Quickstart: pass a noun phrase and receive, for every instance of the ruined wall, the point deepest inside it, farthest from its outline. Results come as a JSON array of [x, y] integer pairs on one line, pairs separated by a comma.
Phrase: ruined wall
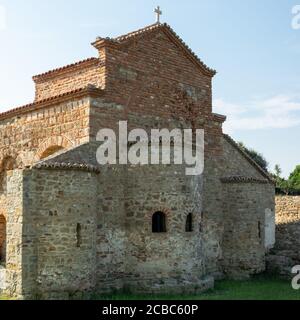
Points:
[[66, 79], [60, 219], [285, 254]]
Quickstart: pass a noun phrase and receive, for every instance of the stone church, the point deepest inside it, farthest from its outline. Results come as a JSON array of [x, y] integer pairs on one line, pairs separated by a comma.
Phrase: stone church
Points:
[[70, 227]]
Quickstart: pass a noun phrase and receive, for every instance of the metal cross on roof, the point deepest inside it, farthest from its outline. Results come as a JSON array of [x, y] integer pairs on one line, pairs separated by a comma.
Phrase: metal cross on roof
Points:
[[158, 14]]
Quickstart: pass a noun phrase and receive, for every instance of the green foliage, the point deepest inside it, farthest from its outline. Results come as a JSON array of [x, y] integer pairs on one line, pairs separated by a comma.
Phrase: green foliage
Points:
[[290, 185], [277, 170], [256, 156], [294, 179]]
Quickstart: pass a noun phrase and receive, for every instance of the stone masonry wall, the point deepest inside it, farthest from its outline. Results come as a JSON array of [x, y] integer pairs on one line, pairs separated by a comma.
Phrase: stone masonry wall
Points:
[[26, 136], [129, 255], [111, 230], [14, 229], [61, 221], [244, 222], [235, 164], [249, 209], [143, 80], [167, 262], [68, 79], [286, 253], [85, 232]]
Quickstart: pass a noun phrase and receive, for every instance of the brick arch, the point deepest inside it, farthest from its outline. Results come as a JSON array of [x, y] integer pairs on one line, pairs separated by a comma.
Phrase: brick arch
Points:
[[53, 145], [164, 210], [150, 214]]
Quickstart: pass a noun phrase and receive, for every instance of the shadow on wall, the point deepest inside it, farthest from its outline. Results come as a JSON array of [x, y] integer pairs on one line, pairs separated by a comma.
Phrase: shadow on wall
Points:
[[286, 254], [50, 151], [2, 239]]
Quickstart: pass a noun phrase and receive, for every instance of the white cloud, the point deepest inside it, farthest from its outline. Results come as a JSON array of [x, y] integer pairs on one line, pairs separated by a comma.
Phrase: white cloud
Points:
[[276, 112], [3, 24]]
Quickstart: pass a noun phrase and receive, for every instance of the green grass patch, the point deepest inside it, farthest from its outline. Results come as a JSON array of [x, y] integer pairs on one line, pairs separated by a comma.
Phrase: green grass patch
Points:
[[256, 288]]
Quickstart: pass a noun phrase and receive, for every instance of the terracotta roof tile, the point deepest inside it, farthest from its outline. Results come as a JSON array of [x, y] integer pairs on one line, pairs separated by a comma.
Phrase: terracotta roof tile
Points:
[[65, 68], [243, 179], [67, 166], [90, 89]]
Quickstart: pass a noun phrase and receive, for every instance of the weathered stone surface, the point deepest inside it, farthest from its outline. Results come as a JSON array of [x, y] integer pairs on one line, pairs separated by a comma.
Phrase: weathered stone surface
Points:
[[286, 254], [74, 227]]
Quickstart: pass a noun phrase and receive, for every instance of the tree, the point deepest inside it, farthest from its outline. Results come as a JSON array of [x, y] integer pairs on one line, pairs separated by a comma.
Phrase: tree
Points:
[[281, 183], [290, 185], [294, 179], [285, 186], [256, 156], [277, 170]]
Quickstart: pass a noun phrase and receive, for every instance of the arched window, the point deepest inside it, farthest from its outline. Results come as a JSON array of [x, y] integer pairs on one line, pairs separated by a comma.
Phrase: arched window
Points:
[[189, 223], [159, 222], [50, 151], [2, 239]]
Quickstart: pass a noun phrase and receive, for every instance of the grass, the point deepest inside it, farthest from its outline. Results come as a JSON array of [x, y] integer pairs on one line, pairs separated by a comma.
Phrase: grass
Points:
[[257, 288], [260, 287]]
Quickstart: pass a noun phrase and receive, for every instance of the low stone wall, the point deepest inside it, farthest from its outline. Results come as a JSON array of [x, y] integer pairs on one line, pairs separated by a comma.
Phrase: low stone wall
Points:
[[286, 252]]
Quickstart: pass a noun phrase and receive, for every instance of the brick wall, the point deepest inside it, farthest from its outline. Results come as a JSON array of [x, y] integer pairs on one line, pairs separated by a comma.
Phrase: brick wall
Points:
[[143, 81], [68, 79], [24, 137]]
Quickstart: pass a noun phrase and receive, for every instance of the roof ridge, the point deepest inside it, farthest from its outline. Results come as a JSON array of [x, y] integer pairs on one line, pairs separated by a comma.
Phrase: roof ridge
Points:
[[254, 163], [72, 65], [212, 71], [155, 26], [137, 32]]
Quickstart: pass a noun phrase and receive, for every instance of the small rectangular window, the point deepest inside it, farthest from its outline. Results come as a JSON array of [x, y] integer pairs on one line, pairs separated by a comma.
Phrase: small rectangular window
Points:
[[189, 223], [78, 235]]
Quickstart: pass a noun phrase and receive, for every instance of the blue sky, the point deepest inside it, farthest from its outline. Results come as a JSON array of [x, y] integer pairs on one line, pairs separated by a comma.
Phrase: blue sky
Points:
[[251, 43]]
